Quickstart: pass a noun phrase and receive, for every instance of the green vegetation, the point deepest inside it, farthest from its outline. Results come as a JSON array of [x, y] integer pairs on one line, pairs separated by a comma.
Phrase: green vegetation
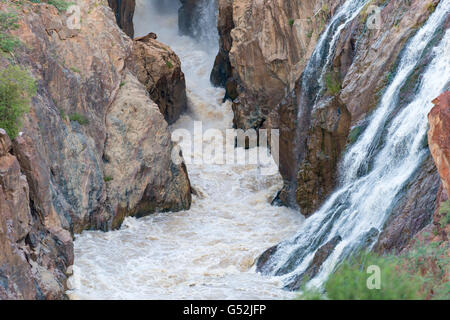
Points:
[[78, 118], [354, 134], [291, 22], [61, 5], [108, 178], [169, 64], [431, 7], [75, 69], [350, 280], [420, 274], [333, 82], [8, 22], [444, 211], [17, 87]]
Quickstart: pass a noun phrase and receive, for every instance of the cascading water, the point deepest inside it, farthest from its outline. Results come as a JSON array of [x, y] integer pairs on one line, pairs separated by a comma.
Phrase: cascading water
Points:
[[358, 209], [315, 70], [208, 251]]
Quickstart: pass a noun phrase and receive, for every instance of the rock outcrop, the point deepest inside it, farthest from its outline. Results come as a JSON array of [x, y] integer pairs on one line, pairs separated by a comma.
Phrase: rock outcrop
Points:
[[124, 11], [35, 250], [159, 69], [439, 137], [94, 147]]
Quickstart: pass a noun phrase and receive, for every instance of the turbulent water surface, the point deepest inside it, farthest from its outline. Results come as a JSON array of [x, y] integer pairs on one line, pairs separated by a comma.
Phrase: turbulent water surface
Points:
[[207, 252]]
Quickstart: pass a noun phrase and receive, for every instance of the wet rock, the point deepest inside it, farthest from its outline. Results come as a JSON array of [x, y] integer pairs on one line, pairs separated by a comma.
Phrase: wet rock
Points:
[[326, 140], [124, 11], [412, 212], [313, 269], [142, 176], [222, 71], [264, 258], [159, 69]]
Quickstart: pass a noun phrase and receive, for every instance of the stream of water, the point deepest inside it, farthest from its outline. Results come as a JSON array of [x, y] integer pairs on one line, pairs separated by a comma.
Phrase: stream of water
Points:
[[209, 251]]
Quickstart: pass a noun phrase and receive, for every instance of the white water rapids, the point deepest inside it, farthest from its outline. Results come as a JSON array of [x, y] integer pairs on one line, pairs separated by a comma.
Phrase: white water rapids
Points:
[[207, 252]]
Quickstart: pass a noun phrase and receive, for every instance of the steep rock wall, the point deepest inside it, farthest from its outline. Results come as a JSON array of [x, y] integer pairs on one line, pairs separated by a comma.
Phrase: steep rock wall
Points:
[[94, 147]]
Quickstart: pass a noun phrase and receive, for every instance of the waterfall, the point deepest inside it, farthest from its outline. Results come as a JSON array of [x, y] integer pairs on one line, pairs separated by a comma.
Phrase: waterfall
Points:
[[358, 209], [312, 78]]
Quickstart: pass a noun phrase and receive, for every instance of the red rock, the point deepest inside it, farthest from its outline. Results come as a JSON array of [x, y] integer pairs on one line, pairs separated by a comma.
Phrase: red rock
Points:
[[439, 136]]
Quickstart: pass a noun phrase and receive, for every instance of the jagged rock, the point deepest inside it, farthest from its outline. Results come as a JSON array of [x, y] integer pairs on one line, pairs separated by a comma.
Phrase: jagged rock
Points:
[[54, 176], [34, 249], [159, 69], [222, 71], [439, 137], [313, 269], [143, 178], [326, 140], [124, 11]]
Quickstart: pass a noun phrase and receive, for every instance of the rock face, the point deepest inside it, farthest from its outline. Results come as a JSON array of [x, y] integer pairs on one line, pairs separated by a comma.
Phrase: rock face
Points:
[[144, 179], [124, 11], [94, 147], [439, 137], [264, 48], [313, 269], [159, 69], [34, 248]]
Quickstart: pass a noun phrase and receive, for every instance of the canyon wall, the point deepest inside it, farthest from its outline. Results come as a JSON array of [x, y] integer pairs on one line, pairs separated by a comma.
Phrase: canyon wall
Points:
[[264, 48], [94, 146], [124, 11]]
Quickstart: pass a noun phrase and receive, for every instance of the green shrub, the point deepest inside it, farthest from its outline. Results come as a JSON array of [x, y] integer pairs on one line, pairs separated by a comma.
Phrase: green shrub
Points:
[[108, 178], [350, 280], [17, 87], [333, 83], [444, 211], [8, 22], [61, 5], [354, 135], [77, 117]]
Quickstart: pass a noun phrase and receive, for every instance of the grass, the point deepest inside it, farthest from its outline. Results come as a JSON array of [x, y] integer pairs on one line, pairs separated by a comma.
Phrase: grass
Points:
[[61, 5], [77, 117], [444, 211], [17, 87], [8, 22], [333, 83], [422, 273]]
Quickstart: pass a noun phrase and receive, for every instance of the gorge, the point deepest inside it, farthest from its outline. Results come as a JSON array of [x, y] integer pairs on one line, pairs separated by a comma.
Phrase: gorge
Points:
[[93, 205]]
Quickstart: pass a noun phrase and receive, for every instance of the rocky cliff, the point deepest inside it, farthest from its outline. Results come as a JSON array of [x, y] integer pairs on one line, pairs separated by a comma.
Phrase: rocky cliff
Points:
[[93, 148], [264, 49], [124, 11]]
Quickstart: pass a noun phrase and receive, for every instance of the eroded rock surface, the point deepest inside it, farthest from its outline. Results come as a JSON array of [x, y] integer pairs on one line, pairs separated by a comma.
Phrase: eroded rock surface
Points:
[[159, 69], [94, 147]]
